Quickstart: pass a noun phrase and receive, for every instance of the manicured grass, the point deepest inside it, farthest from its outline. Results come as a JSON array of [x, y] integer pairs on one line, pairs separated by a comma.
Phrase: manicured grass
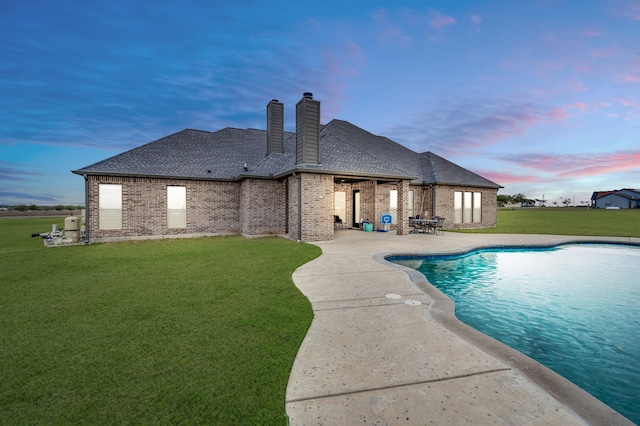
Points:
[[567, 221], [195, 331]]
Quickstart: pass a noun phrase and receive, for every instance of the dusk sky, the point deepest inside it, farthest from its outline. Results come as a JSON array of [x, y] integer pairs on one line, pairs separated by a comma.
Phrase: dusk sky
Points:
[[542, 97]]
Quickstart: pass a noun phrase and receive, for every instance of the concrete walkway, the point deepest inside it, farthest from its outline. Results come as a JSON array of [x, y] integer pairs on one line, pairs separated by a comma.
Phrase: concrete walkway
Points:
[[385, 348]]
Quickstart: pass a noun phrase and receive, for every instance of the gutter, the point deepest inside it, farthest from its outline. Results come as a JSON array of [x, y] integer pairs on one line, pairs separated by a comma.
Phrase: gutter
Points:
[[150, 176], [86, 210], [337, 173], [299, 236]]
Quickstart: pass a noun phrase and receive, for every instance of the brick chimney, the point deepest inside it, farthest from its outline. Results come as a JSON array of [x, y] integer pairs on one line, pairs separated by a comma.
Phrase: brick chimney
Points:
[[307, 130], [275, 127]]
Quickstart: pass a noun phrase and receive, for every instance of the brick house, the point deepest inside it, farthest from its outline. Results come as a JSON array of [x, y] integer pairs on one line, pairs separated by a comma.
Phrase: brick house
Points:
[[256, 182]]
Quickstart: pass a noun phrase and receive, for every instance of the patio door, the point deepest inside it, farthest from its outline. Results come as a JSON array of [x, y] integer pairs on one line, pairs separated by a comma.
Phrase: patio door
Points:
[[356, 209]]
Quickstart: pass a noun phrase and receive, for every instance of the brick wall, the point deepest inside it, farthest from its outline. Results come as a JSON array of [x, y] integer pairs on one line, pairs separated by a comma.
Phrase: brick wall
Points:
[[293, 217], [383, 204], [317, 207], [402, 226], [444, 206], [263, 208], [259, 207], [368, 200], [422, 201], [212, 208]]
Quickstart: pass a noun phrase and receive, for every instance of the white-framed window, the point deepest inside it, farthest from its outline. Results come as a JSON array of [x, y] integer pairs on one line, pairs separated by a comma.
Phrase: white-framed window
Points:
[[356, 207], [340, 205], [477, 207], [176, 207], [457, 207], [467, 207], [109, 206], [393, 205]]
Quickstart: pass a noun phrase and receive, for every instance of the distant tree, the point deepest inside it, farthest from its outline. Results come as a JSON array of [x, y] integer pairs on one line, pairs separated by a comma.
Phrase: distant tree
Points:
[[565, 201], [519, 198], [503, 200]]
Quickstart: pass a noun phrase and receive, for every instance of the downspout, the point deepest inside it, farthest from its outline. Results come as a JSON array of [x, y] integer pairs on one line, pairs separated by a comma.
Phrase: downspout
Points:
[[86, 209], [433, 201], [299, 205]]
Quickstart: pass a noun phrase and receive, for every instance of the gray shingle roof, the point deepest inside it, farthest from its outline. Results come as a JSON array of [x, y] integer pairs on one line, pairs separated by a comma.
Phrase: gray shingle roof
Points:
[[444, 172], [345, 149]]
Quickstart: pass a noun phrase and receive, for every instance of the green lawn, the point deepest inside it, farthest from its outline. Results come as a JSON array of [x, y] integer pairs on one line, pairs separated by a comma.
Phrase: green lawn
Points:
[[192, 331], [567, 221]]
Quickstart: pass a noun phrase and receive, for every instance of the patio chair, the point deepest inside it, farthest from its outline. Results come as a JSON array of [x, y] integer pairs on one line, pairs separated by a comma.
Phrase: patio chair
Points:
[[337, 222], [439, 225], [414, 225]]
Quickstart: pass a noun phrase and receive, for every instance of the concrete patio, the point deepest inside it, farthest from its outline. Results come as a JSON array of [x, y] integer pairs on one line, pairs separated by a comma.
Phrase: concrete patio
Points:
[[385, 348]]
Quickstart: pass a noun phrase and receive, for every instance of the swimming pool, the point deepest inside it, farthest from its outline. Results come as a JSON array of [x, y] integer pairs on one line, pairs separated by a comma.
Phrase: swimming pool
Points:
[[574, 308]]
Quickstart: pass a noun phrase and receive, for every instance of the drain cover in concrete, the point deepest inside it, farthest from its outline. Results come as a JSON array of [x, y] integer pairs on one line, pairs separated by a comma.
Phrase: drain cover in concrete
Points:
[[392, 296], [412, 302]]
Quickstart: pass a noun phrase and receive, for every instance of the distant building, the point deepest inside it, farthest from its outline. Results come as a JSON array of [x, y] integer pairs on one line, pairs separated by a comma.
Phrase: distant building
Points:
[[621, 198]]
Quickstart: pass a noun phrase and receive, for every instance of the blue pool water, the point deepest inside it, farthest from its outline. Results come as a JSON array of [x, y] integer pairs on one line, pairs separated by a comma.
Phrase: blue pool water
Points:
[[573, 308]]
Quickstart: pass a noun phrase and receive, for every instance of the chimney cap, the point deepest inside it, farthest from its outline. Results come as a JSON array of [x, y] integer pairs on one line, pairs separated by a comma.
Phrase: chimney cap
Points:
[[307, 95], [274, 100]]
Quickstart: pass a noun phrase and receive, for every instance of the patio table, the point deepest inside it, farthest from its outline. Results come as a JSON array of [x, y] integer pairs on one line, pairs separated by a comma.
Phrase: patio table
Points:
[[422, 226]]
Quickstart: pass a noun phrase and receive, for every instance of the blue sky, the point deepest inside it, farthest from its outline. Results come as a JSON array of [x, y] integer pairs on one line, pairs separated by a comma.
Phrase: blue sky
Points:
[[543, 97]]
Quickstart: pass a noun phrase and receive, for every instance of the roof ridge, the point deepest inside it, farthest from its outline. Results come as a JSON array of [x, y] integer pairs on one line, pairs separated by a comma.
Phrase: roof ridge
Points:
[[432, 167]]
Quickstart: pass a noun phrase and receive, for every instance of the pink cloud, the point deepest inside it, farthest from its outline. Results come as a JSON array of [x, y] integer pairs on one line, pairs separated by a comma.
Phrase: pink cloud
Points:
[[625, 101], [475, 19], [579, 165], [582, 68], [504, 178], [390, 32], [632, 108], [464, 127], [395, 36], [605, 164], [355, 51], [578, 86], [632, 11], [602, 53], [594, 33], [580, 106], [631, 78], [439, 21], [558, 114]]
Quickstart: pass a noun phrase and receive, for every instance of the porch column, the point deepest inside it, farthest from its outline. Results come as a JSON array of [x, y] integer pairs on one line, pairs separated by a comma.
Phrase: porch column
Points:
[[402, 227]]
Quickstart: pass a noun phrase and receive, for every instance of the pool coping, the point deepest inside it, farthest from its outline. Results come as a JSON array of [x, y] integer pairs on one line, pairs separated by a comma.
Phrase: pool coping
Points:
[[442, 309]]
